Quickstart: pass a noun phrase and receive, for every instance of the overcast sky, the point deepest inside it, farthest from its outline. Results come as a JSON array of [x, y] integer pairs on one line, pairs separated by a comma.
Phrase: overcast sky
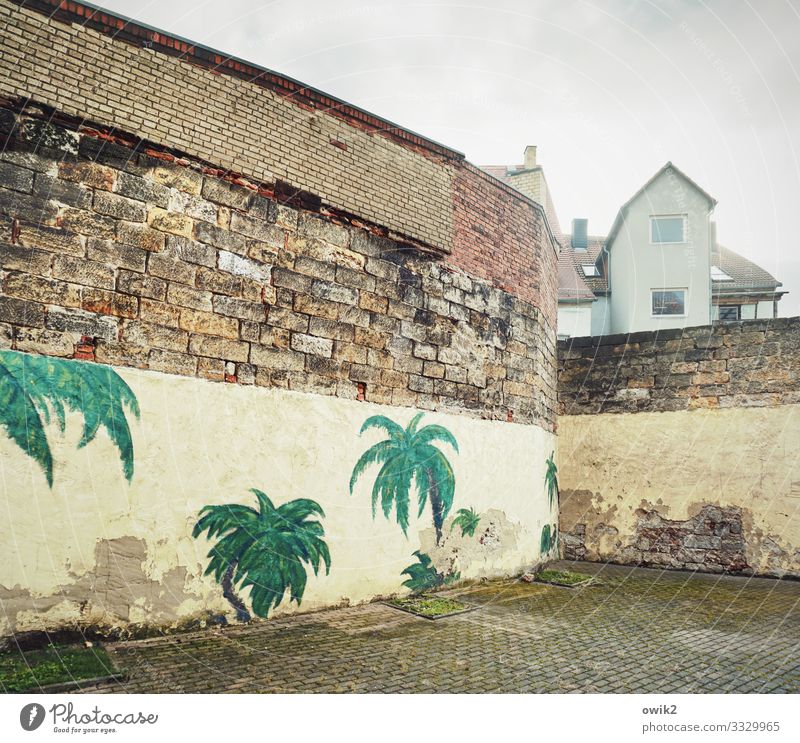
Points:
[[608, 91]]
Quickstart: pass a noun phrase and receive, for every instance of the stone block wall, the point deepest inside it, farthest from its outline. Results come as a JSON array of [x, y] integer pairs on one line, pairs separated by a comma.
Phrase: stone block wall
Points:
[[744, 364], [678, 449], [274, 131], [133, 256]]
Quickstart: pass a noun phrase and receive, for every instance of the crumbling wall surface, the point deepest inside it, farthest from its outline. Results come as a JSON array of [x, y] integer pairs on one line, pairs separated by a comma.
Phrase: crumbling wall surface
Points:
[[139, 258], [699, 468], [199, 301], [263, 127], [97, 550]]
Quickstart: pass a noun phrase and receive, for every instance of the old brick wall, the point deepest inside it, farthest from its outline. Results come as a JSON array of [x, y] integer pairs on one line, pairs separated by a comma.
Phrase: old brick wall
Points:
[[678, 448], [745, 364], [268, 128], [133, 257]]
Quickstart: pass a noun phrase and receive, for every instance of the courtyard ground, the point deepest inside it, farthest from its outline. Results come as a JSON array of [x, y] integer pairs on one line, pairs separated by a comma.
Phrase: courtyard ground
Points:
[[630, 630]]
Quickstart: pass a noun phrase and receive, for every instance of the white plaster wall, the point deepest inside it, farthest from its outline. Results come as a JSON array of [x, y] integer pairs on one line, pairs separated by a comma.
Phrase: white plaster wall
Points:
[[614, 467], [575, 319], [765, 310], [636, 266], [601, 316], [200, 443]]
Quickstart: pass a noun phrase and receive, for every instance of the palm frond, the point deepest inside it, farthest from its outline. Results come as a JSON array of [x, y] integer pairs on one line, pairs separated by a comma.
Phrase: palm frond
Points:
[[20, 418], [386, 424], [545, 542], [467, 519], [551, 479], [54, 385], [442, 475], [422, 575], [374, 455], [411, 428], [435, 433]]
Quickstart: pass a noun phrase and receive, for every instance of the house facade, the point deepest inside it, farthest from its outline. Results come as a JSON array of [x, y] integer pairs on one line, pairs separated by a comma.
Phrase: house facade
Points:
[[659, 267]]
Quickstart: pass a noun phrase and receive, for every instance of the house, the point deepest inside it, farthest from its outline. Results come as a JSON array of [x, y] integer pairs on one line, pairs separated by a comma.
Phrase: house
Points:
[[660, 266]]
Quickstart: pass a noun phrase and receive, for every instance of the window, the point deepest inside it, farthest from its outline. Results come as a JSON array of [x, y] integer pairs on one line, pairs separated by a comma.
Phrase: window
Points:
[[668, 302], [590, 270], [717, 274], [670, 229], [729, 312]]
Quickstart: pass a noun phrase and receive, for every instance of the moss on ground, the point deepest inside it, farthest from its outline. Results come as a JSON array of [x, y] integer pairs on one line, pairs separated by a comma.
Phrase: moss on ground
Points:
[[31, 669], [429, 607], [562, 577]]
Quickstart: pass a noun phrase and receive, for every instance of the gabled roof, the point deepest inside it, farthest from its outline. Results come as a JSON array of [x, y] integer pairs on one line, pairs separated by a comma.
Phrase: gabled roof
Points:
[[587, 257], [572, 286], [624, 208], [745, 275]]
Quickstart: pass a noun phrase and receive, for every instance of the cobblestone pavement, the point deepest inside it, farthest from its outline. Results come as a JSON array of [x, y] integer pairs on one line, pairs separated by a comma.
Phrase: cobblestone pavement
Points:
[[631, 630]]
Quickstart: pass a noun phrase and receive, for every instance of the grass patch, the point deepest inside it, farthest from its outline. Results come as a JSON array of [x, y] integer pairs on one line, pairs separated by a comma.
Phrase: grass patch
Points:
[[562, 577], [54, 664], [429, 607]]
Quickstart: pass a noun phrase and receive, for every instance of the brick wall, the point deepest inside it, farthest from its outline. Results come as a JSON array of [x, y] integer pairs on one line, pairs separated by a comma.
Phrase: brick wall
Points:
[[134, 256], [268, 128], [744, 364]]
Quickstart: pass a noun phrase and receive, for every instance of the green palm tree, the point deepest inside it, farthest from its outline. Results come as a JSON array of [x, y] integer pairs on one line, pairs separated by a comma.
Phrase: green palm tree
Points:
[[409, 455], [549, 538], [468, 520], [422, 575], [264, 549], [35, 389], [551, 479]]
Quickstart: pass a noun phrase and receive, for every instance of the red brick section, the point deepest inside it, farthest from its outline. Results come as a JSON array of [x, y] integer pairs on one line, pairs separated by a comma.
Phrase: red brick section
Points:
[[503, 237]]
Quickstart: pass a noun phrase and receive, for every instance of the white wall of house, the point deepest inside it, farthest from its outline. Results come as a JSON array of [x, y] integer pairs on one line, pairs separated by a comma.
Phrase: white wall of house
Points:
[[601, 316], [637, 266], [766, 309], [574, 319]]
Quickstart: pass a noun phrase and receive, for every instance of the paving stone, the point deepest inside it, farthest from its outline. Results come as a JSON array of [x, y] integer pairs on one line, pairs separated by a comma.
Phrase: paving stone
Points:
[[631, 630]]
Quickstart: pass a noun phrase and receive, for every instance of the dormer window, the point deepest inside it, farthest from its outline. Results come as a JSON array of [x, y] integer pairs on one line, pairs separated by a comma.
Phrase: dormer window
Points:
[[590, 270], [668, 229], [717, 274]]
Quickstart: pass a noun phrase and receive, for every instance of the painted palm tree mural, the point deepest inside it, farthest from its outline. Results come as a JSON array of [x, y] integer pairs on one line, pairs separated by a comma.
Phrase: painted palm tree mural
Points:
[[408, 456], [422, 575], [549, 538], [467, 519], [551, 479], [266, 550], [36, 389]]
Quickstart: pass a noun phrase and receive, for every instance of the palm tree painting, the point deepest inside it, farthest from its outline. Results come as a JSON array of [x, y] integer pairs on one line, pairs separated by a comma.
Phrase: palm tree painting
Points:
[[468, 520], [266, 550], [423, 575], [551, 479], [408, 456], [549, 538], [36, 389]]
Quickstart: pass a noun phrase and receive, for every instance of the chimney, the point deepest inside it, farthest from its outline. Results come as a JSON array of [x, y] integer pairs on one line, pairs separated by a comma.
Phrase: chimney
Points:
[[580, 234], [530, 156]]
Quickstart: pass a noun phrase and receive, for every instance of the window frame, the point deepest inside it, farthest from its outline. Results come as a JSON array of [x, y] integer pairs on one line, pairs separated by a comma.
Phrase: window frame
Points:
[[721, 307], [593, 268], [654, 316], [683, 217]]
